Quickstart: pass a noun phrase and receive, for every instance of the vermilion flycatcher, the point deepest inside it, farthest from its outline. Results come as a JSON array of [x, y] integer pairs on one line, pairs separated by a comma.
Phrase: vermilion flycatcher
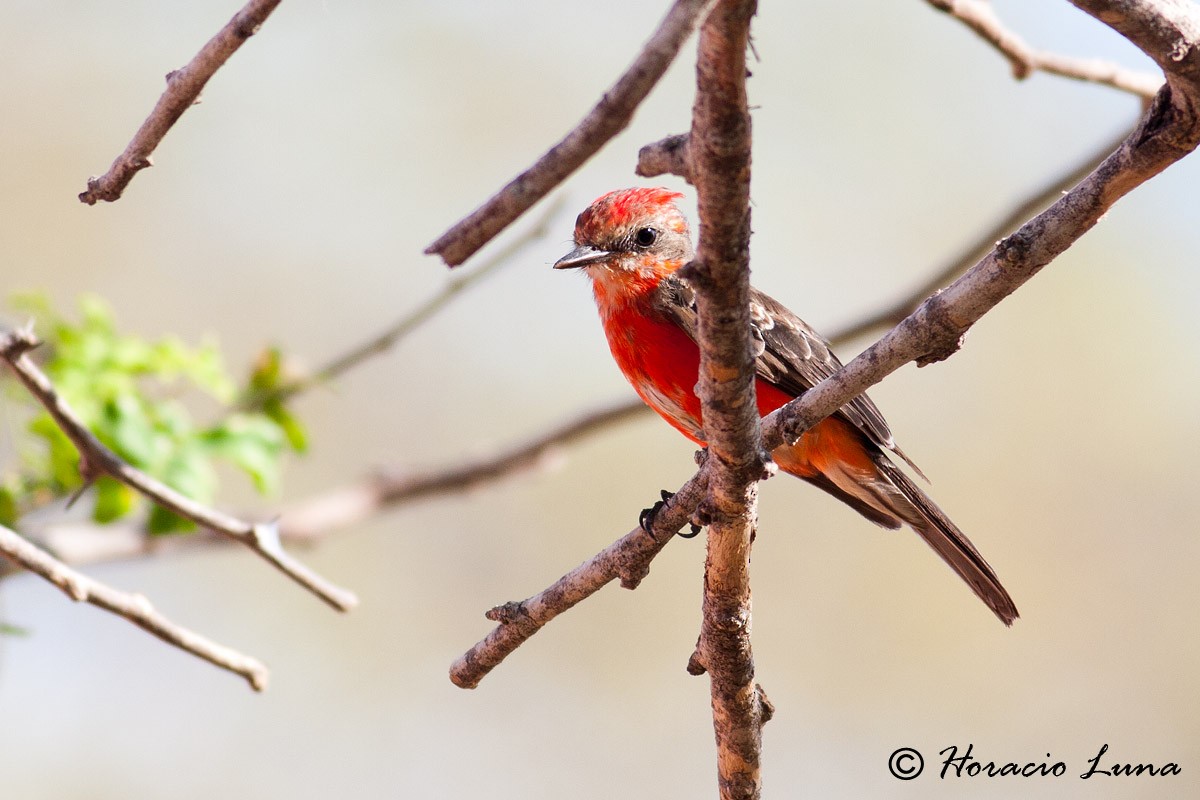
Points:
[[631, 242]]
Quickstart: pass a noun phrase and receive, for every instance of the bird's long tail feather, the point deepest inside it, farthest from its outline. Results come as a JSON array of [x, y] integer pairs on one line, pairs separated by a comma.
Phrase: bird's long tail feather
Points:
[[950, 543]]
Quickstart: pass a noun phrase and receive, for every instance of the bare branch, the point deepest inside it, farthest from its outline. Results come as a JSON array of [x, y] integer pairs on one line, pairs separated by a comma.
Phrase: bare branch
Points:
[[628, 558], [411, 321], [669, 156], [96, 458], [1169, 130], [311, 519], [133, 607], [979, 16], [1167, 31], [182, 92], [719, 160], [608, 118], [979, 247]]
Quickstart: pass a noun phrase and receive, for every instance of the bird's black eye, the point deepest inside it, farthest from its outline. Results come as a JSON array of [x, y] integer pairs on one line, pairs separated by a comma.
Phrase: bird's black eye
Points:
[[645, 237]]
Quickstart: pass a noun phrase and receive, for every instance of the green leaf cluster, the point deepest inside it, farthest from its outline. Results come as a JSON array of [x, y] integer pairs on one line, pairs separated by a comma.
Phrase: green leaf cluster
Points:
[[138, 397]]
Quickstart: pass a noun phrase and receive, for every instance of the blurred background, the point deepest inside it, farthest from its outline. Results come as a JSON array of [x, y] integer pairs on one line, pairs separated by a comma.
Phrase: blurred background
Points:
[[292, 206]]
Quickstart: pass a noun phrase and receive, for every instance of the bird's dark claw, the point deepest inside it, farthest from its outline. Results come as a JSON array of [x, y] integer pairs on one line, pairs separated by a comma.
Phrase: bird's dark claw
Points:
[[646, 518]]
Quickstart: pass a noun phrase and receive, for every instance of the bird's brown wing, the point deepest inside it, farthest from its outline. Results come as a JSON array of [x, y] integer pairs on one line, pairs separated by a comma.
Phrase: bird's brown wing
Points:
[[789, 354]]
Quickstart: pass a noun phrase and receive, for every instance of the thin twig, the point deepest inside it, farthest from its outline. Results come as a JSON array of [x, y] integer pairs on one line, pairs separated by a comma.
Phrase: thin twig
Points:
[[628, 558], [608, 118], [402, 327], [312, 518], [979, 16], [182, 92], [980, 246], [133, 607], [96, 459]]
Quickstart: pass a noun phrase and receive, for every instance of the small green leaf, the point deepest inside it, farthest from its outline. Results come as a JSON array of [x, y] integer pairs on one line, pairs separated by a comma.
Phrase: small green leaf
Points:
[[8, 629], [252, 443], [9, 506], [267, 372], [292, 428], [62, 461], [161, 521], [190, 473], [127, 428], [114, 500]]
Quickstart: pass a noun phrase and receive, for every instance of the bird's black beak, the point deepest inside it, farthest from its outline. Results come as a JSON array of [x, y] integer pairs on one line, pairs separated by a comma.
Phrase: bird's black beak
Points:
[[582, 256]]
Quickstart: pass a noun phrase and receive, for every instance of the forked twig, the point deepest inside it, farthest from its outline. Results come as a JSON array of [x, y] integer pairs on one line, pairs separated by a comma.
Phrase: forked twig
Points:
[[133, 607]]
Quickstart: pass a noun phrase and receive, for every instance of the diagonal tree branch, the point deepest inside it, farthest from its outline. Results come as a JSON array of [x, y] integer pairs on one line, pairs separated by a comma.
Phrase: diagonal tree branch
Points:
[[313, 518], [96, 458], [609, 117], [183, 91], [1169, 130], [979, 16], [628, 558], [402, 327], [133, 607], [892, 313]]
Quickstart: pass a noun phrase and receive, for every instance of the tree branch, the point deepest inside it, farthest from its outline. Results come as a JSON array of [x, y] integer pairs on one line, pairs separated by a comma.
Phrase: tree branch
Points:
[[668, 156], [628, 558], [1167, 31], [133, 607], [719, 161], [1169, 130], [95, 458], [402, 327], [182, 92], [311, 519], [892, 313], [608, 118], [308, 521], [979, 16]]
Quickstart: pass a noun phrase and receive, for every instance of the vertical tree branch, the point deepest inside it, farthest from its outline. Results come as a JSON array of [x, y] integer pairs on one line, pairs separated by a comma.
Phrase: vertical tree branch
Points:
[[720, 156]]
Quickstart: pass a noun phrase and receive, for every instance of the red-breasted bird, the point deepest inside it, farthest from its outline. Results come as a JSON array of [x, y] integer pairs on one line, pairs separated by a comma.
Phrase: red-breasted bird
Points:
[[631, 243]]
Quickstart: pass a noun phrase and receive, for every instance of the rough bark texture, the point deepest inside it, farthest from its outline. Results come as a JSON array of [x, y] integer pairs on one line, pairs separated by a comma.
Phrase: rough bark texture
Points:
[[719, 152]]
